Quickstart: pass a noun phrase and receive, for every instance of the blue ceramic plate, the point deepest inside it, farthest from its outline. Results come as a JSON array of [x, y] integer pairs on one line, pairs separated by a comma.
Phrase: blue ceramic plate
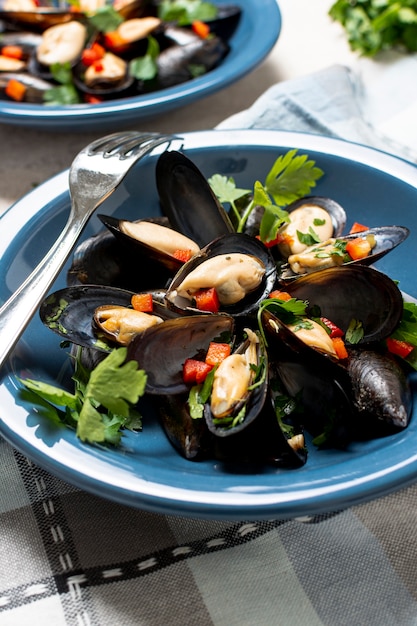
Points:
[[146, 472], [258, 31]]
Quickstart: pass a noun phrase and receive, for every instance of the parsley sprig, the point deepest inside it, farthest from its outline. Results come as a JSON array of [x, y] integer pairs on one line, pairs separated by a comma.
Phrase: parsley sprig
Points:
[[292, 176], [103, 400], [376, 25]]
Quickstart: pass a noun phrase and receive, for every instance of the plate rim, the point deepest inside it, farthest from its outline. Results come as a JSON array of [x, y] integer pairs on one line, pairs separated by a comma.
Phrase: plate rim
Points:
[[229, 503]]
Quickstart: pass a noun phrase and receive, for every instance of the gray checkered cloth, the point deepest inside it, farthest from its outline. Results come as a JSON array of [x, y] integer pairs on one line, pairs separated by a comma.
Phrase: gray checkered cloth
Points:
[[70, 558]]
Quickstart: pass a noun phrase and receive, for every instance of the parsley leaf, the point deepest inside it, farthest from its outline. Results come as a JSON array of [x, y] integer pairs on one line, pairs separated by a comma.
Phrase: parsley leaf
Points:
[[375, 25], [186, 11], [105, 19], [146, 68], [291, 177], [102, 402]]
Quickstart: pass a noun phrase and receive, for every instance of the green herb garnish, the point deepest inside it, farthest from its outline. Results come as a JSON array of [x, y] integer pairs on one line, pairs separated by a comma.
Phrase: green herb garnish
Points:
[[291, 177], [186, 11], [102, 402], [376, 25]]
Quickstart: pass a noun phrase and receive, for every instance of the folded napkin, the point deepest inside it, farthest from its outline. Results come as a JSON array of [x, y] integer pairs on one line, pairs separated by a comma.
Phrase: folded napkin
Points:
[[70, 558]]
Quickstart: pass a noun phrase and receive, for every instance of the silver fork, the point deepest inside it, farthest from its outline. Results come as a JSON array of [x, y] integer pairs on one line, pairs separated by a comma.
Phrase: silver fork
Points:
[[94, 174]]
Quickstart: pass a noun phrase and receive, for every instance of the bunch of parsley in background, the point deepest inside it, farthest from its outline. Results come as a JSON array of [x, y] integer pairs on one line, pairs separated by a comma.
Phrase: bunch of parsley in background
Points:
[[376, 25]]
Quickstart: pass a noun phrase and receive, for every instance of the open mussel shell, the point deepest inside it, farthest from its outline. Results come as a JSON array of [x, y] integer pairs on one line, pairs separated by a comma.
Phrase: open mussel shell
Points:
[[163, 349], [315, 380], [41, 19], [187, 199], [252, 400], [286, 442], [386, 239], [146, 251], [104, 86], [69, 313], [226, 22], [228, 244], [104, 259], [189, 436], [35, 87], [353, 292]]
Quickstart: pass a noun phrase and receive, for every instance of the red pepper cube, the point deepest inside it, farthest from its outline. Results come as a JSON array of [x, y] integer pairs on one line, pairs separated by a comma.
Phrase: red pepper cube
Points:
[[217, 352], [335, 331], [142, 302], [399, 347], [194, 371], [207, 300]]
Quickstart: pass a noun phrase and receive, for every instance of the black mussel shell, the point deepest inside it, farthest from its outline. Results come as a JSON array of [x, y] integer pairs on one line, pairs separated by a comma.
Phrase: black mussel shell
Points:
[[39, 20], [386, 239], [189, 436], [102, 87], [35, 87], [163, 349], [254, 402], [187, 199], [316, 381], [380, 391], [104, 260], [175, 63], [147, 252], [287, 447], [69, 313], [232, 243], [353, 292], [226, 22]]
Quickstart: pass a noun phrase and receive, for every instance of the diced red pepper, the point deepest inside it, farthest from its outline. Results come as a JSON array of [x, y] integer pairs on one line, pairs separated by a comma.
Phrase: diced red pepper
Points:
[[92, 54], [280, 238], [194, 371], [358, 228], [335, 331], [217, 352], [399, 347], [207, 300], [280, 295], [114, 41], [358, 248], [15, 90], [98, 66], [90, 99], [182, 255], [201, 29], [12, 52], [142, 302], [339, 346]]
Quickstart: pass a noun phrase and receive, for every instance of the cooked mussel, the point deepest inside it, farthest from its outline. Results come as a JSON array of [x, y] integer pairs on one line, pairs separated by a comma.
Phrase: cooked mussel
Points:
[[237, 266], [312, 214], [188, 201], [162, 350], [235, 400], [334, 251], [34, 88], [95, 316], [153, 240]]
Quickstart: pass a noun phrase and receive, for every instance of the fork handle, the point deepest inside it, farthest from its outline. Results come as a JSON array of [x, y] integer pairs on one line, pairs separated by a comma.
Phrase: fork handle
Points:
[[18, 310]]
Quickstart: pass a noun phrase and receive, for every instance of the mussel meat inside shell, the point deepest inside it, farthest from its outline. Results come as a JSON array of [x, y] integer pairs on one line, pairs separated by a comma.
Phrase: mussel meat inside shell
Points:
[[322, 216], [153, 240], [70, 313], [335, 251], [238, 267]]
